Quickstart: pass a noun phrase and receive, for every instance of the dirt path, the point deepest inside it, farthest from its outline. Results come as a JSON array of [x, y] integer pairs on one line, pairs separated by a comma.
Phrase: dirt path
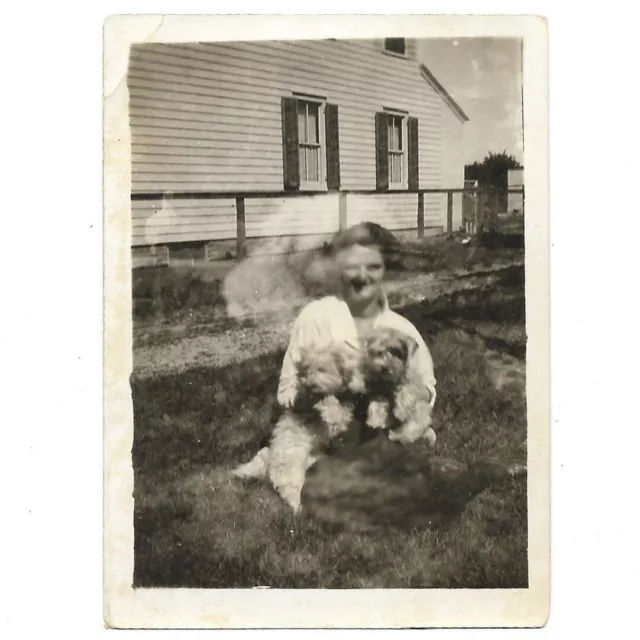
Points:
[[163, 349]]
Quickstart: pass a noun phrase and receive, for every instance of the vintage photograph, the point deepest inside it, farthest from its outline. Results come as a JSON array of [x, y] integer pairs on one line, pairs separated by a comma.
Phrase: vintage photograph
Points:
[[329, 317]]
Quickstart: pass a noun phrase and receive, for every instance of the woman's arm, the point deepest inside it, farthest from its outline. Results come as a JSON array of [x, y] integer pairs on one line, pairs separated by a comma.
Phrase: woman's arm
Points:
[[288, 384], [304, 330], [423, 363]]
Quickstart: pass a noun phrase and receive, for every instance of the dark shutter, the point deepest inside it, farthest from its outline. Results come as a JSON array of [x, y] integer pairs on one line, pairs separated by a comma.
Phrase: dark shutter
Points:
[[291, 167], [332, 146], [382, 152], [413, 154]]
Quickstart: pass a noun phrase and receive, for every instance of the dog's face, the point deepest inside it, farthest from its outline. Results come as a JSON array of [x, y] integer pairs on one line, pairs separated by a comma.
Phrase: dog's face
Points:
[[386, 355], [328, 370]]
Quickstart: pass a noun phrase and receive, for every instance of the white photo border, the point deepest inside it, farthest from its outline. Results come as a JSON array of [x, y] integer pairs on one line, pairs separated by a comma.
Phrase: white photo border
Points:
[[126, 607]]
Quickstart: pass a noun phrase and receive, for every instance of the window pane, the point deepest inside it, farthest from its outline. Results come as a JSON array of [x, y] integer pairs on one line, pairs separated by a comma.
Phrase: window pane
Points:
[[312, 130], [395, 133], [396, 167], [302, 159], [314, 164], [302, 121], [309, 148]]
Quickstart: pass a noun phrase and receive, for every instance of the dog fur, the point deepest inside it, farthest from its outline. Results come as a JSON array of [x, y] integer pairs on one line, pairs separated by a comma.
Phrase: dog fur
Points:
[[399, 400], [327, 379]]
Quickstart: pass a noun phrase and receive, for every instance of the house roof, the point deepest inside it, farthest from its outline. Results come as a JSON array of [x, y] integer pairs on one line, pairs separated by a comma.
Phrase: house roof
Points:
[[432, 80]]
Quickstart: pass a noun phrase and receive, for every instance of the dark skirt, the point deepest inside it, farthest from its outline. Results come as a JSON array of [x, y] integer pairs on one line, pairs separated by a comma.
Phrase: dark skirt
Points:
[[359, 432]]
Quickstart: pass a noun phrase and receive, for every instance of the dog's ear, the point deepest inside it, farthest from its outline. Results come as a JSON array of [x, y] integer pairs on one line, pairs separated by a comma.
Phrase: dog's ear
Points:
[[409, 345], [343, 358], [303, 360]]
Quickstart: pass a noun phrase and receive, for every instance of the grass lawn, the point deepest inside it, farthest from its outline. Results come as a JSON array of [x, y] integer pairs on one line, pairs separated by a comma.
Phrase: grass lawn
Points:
[[195, 527]]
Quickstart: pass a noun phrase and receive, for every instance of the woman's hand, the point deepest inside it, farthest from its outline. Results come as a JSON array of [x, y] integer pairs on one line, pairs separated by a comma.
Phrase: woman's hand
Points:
[[335, 415]]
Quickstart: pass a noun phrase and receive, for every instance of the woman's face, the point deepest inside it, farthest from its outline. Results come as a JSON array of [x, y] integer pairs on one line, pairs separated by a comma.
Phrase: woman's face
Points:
[[361, 273]]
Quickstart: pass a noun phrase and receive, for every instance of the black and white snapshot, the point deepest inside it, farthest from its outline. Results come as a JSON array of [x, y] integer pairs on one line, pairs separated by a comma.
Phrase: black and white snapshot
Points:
[[329, 331]]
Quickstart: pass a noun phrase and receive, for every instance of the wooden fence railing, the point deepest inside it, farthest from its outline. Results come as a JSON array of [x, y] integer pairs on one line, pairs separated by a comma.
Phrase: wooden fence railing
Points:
[[481, 207]]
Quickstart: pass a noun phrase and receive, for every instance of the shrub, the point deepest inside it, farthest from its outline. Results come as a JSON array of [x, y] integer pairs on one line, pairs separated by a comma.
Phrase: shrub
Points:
[[164, 292]]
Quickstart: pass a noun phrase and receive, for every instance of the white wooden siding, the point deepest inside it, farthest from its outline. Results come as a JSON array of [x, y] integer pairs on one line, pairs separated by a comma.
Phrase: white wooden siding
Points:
[[291, 216], [164, 221], [207, 117], [453, 159], [395, 210]]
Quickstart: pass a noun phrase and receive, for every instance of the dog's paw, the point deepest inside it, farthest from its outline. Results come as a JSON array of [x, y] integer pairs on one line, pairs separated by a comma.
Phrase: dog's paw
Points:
[[405, 435], [255, 468], [336, 430], [332, 412], [242, 473], [399, 436], [377, 415], [430, 437], [296, 508], [357, 384], [291, 496]]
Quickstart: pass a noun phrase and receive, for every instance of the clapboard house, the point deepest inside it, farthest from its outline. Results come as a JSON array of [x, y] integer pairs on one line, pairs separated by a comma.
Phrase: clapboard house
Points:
[[352, 129]]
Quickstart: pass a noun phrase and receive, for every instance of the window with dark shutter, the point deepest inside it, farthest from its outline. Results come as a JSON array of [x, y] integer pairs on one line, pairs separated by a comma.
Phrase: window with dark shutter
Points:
[[333, 146], [290, 144], [382, 152], [413, 155]]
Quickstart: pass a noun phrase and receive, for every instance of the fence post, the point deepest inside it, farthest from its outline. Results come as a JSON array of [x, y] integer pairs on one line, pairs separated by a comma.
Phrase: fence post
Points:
[[241, 232], [342, 210], [420, 214], [449, 213]]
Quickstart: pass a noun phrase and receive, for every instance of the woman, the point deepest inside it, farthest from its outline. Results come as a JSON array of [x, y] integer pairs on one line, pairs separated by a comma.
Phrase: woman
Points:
[[359, 306], [358, 256]]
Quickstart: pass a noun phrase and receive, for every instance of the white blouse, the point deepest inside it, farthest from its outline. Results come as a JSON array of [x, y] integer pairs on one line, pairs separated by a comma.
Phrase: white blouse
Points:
[[329, 320]]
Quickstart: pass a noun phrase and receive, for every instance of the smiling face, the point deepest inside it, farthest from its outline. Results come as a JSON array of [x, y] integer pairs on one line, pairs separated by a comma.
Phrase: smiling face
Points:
[[361, 274]]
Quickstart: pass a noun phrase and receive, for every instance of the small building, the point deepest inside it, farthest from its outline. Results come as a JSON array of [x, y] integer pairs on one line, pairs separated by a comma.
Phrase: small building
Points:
[[274, 118], [515, 180]]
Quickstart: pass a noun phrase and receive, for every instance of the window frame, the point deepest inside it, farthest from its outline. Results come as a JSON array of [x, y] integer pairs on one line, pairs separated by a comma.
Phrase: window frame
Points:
[[403, 185], [321, 185]]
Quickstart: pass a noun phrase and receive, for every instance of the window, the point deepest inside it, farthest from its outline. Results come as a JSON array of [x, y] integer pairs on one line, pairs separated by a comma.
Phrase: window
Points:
[[310, 143], [395, 45], [396, 151], [310, 150]]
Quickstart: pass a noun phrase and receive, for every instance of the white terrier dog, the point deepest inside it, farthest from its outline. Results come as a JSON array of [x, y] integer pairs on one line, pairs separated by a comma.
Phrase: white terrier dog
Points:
[[327, 379], [399, 400]]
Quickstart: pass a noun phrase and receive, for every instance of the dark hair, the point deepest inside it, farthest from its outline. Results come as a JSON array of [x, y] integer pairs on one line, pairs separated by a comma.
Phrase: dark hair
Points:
[[365, 234]]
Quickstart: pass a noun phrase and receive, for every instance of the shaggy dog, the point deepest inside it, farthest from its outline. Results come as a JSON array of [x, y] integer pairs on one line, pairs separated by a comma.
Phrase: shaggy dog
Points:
[[399, 400], [328, 378]]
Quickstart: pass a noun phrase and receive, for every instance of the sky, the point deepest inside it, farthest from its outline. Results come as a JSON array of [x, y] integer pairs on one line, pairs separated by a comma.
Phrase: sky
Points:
[[484, 76]]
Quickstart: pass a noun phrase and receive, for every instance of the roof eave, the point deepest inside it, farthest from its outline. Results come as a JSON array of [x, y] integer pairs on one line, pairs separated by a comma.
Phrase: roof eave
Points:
[[432, 80]]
